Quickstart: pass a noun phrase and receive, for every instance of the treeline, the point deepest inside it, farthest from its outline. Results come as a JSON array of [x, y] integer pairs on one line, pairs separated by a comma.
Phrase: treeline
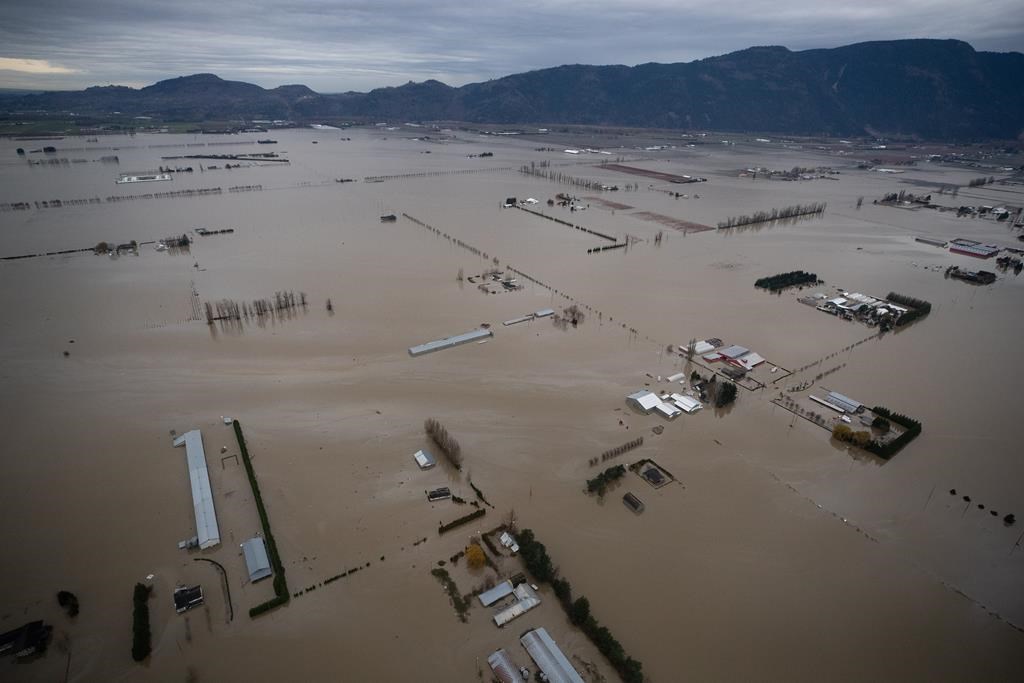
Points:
[[281, 595], [141, 636], [904, 196], [445, 441], [228, 309], [599, 484], [465, 519], [773, 215], [918, 307], [783, 280], [538, 563], [559, 177], [978, 182], [911, 426]]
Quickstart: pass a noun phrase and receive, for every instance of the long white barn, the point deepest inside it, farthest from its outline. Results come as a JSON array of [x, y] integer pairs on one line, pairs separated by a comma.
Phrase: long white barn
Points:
[[202, 493]]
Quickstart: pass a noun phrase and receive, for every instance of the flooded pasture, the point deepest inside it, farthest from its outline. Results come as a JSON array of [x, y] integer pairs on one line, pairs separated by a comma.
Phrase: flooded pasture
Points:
[[778, 553]]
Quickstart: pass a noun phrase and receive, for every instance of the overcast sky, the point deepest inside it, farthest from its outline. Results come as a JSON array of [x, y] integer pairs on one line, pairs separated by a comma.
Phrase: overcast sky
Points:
[[338, 45]]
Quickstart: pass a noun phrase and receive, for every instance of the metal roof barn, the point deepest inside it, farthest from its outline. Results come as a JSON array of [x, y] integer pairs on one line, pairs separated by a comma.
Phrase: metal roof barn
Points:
[[256, 560], [488, 598], [644, 401], [202, 495], [549, 657], [424, 459], [503, 667], [668, 410], [734, 351], [702, 347], [449, 342], [844, 402], [687, 404], [528, 599]]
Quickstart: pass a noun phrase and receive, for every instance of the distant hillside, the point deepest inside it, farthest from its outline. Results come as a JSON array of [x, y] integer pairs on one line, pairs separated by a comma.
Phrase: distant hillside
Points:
[[925, 88]]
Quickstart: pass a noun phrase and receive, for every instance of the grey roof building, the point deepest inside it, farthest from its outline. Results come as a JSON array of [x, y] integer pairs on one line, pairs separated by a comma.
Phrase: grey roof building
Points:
[[256, 560]]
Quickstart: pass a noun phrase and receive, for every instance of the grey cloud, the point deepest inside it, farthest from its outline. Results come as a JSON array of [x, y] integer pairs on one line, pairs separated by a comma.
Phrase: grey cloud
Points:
[[357, 45]]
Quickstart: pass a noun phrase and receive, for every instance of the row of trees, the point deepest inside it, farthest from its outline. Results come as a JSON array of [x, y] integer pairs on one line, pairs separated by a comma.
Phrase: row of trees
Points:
[[538, 563], [446, 443], [465, 519], [911, 427], [619, 450], [780, 281], [228, 309], [774, 215], [918, 307]]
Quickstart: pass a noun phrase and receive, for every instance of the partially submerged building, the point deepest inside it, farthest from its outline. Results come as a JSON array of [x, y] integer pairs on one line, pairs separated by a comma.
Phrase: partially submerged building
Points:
[[687, 404], [207, 530], [505, 671], [186, 597], [256, 560], [549, 658], [633, 503], [527, 600], [26, 640], [669, 411], [424, 459], [449, 342], [844, 402], [644, 401], [489, 597]]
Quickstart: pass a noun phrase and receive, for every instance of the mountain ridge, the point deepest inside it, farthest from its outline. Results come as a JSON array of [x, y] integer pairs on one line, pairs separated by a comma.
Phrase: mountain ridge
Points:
[[917, 87]]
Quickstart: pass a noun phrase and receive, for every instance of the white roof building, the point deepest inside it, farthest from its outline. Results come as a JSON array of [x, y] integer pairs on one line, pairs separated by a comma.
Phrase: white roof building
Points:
[[489, 597], [644, 401], [687, 404], [528, 599], [703, 347], [503, 667], [734, 351], [750, 361], [669, 411], [549, 658], [202, 494], [256, 560], [424, 459]]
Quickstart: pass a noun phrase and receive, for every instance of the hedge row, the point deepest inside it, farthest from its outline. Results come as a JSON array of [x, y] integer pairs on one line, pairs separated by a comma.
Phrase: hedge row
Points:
[[783, 280], [461, 520], [535, 557], [912, 429], [280, 584], [918, 307], [140, 622]]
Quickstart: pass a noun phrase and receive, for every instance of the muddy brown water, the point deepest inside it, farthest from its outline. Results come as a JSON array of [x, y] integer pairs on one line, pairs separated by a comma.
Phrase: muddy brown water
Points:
[[777, 555]]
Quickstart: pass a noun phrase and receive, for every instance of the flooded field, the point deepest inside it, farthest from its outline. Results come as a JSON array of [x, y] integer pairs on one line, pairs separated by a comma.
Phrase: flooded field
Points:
[[779, 553]]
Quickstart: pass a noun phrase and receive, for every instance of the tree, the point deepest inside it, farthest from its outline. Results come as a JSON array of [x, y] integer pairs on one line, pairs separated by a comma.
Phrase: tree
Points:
[[881, 424], [579, 611], [842, 432], [475, 557], [726, 394], [691, 349], [860, 439]]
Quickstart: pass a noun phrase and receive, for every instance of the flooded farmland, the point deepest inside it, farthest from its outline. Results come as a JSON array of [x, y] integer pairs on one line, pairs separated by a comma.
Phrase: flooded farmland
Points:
[[778, 552]]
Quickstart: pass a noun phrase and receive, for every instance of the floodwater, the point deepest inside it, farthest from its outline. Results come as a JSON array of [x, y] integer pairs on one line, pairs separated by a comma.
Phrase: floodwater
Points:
[[777, 555]]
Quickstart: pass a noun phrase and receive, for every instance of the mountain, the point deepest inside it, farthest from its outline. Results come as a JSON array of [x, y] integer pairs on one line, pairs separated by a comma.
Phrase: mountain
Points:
[[925, 88]]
